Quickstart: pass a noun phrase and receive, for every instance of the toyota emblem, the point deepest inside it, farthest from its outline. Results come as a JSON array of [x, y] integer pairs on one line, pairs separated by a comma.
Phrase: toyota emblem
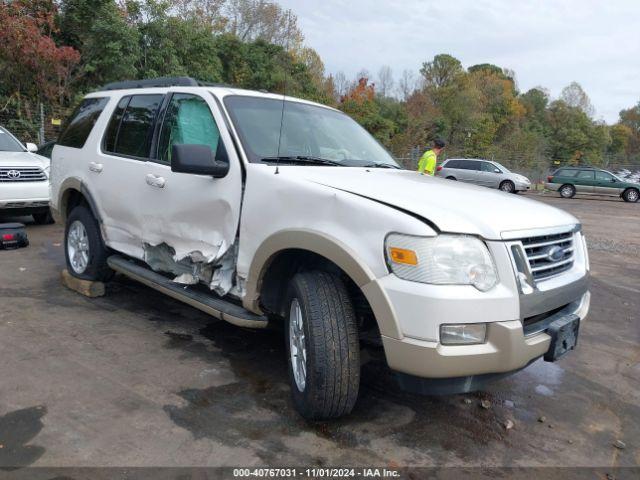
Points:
[[13, 174]]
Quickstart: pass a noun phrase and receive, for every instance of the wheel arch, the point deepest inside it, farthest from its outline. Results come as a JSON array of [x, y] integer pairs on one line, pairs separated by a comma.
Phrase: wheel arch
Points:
[[73, 192], [281, 256]]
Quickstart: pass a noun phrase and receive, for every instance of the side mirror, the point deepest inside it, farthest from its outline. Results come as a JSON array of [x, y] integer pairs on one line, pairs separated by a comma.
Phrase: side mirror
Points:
[[497, 170], [199, 160], [31, 147], [613, 179]]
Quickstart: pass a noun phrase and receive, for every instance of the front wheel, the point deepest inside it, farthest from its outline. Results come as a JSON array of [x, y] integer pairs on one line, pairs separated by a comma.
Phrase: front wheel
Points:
[[508, 186], [631, 195], [322, 346]]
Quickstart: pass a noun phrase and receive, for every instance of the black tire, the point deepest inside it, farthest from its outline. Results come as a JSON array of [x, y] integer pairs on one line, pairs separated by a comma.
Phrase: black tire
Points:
[[631, 195], [96, 267], [567, 191], [43, 218], [332, 360], [507, 186], [451, 178]]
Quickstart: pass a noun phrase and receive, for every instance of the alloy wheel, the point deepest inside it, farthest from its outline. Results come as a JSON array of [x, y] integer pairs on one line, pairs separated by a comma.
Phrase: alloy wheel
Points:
[[78, 247], [297, 346]]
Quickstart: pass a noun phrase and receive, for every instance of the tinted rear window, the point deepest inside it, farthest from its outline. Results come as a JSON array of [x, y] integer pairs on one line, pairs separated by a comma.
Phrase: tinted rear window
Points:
[[566, 173], [469, 165], [132, 136], [452, 164], [81, 122]]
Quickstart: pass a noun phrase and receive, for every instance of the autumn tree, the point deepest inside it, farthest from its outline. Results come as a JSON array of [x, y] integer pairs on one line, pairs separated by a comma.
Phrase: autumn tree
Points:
[[574, 96]]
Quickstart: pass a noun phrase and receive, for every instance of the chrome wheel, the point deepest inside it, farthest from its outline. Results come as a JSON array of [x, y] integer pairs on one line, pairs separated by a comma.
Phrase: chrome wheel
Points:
[[507, 187], [297, 345], [632, 196], [78, 247], [566, 192]]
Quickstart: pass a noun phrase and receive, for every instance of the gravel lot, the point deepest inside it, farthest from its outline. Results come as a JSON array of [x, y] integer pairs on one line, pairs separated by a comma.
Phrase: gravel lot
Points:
[[138, 379]]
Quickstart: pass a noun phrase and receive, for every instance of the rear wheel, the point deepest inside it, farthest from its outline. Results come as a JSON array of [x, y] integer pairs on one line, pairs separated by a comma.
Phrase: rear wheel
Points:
[[85, 252], [322, 346], [567, 191], [631, 195], [507, 186]]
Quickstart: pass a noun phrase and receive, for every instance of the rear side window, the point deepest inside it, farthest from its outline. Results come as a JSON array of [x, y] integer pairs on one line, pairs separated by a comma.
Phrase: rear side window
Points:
[[81, 122], [566, 173], [452, 164], [129, 130], [469, 165]]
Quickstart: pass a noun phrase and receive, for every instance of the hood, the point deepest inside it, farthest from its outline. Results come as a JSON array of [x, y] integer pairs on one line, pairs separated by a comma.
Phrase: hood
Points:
[[452, 206], [22, 159]]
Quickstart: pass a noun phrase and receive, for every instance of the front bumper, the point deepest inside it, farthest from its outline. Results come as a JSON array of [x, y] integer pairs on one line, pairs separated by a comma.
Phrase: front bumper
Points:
[[522, 186], [24, 196], [509, 347]]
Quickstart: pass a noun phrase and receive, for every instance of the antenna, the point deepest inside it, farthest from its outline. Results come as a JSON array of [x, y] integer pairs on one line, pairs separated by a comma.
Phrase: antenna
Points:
[[284, 94]]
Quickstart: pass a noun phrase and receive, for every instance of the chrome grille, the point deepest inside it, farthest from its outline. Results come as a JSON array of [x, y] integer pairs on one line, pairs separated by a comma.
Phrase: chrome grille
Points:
[[549, 255], [22, 174]]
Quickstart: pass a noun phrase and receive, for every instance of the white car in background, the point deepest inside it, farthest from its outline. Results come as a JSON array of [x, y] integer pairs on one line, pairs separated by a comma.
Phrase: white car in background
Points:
[[24, 180]]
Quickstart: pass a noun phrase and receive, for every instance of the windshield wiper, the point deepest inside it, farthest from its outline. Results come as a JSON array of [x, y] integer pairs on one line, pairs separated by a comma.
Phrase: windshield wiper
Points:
[[381, 165], [302, 159]]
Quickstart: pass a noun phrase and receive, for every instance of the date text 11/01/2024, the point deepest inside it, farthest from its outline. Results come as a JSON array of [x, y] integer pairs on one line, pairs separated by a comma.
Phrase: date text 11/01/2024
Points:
[[316, 472]]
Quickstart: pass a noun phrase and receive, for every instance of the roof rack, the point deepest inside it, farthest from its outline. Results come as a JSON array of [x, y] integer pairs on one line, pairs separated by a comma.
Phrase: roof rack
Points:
[[159, 82]]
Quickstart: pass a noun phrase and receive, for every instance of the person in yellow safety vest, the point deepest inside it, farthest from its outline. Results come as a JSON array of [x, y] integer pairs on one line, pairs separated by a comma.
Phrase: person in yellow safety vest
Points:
[[427, 163]]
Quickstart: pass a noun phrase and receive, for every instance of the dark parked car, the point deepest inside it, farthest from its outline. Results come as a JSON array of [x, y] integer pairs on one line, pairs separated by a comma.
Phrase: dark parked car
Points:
[[46, 148], [568, 181]]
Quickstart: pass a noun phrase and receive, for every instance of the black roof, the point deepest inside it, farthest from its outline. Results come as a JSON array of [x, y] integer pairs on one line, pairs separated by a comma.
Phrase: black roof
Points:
[[159, 82]]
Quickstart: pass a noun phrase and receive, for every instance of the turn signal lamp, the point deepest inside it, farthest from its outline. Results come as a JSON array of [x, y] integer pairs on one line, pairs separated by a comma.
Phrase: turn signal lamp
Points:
[[403, 256]]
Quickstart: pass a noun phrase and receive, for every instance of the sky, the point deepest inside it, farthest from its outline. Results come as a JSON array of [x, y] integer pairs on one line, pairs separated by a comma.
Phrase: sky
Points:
[[548, 43]]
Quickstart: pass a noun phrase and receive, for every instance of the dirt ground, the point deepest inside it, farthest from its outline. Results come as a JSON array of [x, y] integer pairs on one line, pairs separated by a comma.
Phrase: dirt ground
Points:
[[138, 379]]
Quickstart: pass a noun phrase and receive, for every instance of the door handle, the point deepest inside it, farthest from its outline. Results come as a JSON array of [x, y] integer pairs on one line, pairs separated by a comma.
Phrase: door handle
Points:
[[155, 181], [95, 167]]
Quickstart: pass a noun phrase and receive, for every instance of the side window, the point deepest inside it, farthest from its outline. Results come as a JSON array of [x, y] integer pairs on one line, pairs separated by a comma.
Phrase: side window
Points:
[[567, 173], [488, 167], [81, 122], [585, 175], [187, 121], [111, 135], [129, 131], [604, 177], [470, 165], [451, 164]]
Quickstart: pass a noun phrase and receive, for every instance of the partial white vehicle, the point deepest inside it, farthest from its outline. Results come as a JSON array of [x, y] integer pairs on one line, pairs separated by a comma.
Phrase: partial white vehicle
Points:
[[24, 180], [486, 173], [259, 209]]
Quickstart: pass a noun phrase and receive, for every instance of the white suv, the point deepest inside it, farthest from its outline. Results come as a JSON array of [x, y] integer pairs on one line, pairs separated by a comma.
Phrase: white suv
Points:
[[24, 179], [259, 209]]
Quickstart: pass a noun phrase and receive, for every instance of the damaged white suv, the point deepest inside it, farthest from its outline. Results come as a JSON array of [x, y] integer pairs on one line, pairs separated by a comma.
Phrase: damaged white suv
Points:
[[258, 210]]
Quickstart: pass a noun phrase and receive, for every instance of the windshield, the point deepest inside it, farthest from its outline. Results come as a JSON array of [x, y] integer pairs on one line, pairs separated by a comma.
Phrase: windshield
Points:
[[8, 143], [308, 132]]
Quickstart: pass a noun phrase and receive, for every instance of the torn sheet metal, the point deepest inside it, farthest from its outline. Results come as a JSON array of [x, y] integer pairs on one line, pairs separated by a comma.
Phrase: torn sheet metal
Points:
[[194, 267]]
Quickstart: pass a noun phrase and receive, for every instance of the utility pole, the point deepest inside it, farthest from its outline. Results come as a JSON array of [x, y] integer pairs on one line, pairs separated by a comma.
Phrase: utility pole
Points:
[[41, 132]]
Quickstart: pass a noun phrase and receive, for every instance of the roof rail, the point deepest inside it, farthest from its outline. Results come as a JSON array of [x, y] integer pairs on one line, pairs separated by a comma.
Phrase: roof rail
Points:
[[158, 82]]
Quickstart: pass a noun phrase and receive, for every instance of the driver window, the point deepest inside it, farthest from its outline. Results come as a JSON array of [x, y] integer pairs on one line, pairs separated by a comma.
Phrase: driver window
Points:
[[487, 167], [187, 121], [603, 177]]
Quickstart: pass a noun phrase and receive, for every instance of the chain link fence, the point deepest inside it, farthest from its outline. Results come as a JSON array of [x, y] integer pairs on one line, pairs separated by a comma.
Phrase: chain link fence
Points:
[[37, 124]]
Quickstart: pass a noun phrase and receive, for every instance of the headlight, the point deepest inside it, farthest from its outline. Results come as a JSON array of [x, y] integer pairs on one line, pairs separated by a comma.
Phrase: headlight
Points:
[[463, 334], [586, 251], [442, 260]]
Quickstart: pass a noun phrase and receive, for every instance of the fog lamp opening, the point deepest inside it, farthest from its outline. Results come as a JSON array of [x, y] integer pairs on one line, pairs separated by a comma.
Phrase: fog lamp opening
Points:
[[463, 334]]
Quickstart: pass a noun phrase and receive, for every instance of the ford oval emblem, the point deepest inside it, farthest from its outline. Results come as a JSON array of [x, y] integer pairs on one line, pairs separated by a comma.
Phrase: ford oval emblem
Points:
[[555, 253]]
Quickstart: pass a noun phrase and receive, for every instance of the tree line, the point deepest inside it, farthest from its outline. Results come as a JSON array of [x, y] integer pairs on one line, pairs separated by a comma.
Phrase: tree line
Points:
[[54, 51]]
